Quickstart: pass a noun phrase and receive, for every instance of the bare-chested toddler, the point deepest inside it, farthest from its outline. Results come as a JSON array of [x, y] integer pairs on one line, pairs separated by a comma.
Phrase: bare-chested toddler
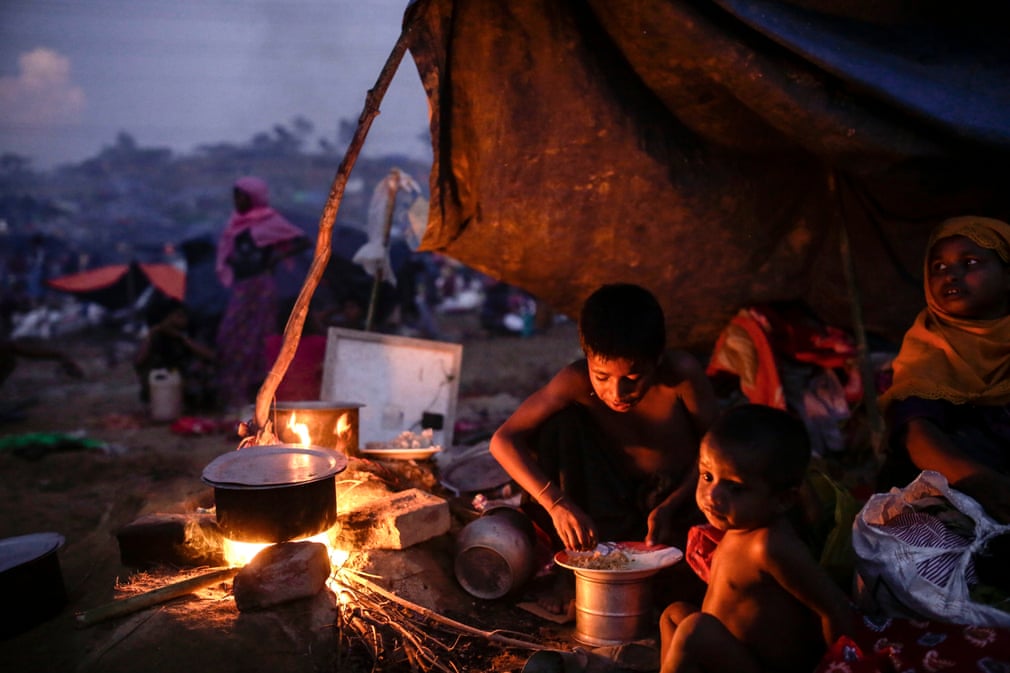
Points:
[[769, 606]]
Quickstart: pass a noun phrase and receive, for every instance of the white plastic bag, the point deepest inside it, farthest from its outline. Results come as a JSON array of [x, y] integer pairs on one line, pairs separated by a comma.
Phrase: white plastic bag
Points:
[[889, 571]]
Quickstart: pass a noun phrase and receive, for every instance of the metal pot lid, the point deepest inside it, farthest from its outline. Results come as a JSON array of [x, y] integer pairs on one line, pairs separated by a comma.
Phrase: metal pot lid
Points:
[[15, 551], [315, 405], [272, 466]]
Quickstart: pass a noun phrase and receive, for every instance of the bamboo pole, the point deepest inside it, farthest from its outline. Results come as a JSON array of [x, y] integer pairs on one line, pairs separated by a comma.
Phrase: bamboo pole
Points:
[[873, 417], [126, 606], [296, 321]]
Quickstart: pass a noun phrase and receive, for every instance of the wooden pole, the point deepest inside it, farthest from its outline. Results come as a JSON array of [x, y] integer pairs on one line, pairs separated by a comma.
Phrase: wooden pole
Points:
[[148, 599], [873, 417], [296, 321]]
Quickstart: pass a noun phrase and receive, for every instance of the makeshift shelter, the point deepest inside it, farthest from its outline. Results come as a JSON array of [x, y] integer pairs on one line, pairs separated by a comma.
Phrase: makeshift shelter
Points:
[[118, 286], [721, 152]]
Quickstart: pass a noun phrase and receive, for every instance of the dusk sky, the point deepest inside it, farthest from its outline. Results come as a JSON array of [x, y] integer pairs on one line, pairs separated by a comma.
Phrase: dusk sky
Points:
[[182, 73]]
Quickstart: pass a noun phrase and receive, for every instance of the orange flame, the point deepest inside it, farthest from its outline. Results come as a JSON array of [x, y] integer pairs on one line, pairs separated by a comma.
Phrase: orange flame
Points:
[[342, 427], [238, 554], [300, 429]]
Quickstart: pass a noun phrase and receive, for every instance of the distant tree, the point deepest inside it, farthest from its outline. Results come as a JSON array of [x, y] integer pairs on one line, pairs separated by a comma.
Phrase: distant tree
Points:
[[345, 131], [16, 172], [125, 152], [285, 141], [125, 143], [14, 164], [262, 143], [303, 127], [217, 150], [327, 147]]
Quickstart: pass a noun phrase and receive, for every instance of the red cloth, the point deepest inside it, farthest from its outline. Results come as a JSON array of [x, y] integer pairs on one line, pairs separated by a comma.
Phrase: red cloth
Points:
[[303, 379], [701, 543], [759, 378]]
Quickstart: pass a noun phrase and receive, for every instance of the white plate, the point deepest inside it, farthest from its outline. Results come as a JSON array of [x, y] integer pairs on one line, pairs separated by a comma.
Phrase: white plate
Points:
[[643, 560], [400, 454]]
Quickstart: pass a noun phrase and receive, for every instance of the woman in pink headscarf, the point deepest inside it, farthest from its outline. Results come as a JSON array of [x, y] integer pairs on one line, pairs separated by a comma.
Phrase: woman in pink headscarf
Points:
[[254, 240]]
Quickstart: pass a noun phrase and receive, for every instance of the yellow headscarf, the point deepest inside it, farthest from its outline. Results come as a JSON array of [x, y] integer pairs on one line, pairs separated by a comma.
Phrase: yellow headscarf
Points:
[[943, 357]]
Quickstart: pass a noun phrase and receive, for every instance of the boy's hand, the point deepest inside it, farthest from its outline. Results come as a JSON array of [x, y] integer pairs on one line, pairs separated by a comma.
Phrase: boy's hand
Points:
[[661, 525], [574, 526]]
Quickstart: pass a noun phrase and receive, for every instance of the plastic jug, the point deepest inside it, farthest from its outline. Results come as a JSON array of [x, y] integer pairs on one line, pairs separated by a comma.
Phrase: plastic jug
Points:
[[166, 394]]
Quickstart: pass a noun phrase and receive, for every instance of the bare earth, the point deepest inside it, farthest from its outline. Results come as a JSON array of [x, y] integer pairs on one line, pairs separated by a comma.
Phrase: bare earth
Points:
[[88, 494]]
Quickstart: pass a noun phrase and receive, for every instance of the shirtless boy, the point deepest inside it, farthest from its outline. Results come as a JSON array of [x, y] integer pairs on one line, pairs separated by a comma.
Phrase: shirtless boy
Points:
[[607, 449], [769, 606]]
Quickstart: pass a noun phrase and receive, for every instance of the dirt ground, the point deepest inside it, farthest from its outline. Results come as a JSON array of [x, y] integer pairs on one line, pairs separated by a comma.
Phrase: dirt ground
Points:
[[87, 493]]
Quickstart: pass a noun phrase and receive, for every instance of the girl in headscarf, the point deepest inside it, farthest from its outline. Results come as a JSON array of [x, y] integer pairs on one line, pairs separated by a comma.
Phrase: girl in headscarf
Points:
[[949, 407], [254, 240]]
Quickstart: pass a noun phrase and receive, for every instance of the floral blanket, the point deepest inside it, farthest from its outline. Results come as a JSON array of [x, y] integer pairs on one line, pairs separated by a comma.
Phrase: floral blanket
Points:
[[908, 646]]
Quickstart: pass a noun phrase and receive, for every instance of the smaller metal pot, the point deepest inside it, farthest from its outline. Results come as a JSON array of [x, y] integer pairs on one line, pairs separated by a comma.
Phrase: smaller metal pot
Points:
[[275, 493], [495, 553], [333, 425], [31, 582]]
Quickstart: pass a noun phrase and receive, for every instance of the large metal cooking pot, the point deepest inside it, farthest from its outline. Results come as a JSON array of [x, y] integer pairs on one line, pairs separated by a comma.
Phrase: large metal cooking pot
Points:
[[275, 493], [333, 425], [31, 582]]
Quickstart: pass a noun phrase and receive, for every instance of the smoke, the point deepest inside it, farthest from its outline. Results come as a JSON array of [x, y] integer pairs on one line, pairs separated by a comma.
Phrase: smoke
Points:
[[42, 93]]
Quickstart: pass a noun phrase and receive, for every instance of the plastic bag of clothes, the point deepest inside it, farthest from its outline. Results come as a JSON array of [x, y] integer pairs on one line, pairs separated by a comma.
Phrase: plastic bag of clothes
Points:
[[916, 552]]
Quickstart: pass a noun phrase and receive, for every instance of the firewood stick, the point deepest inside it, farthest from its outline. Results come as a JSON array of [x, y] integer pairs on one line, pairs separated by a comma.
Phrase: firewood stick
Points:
[[296, 321], [148, 599], [490, 635]]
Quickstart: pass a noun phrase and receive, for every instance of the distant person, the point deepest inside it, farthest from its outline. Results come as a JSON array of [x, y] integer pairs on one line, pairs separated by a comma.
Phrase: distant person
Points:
[[38, 263], [948, 409], [254, 240], [13, 350], [769, 606], [170, 346], [607, 449], [205, 297]]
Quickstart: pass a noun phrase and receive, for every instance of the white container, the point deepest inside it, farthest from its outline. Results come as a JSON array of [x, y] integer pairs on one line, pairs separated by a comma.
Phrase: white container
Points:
[[166, 394]]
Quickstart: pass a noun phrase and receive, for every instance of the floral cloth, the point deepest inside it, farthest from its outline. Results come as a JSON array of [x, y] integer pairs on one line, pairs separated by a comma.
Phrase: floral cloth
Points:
[[907, 646]]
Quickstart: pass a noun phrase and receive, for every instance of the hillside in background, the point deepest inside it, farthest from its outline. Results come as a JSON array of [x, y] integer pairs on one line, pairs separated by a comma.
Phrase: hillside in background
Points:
[[130, 202]]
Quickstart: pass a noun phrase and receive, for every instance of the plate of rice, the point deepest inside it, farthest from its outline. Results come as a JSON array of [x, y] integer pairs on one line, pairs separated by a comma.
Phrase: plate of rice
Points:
[[625, 559]]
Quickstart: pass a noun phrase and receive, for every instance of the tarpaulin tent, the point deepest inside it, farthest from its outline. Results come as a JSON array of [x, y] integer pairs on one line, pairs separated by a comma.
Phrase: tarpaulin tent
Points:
[[117, 286], [715, 151]]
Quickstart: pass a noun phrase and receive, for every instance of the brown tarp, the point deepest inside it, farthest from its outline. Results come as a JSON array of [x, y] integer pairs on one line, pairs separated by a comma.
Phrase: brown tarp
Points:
[[711, 150]]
